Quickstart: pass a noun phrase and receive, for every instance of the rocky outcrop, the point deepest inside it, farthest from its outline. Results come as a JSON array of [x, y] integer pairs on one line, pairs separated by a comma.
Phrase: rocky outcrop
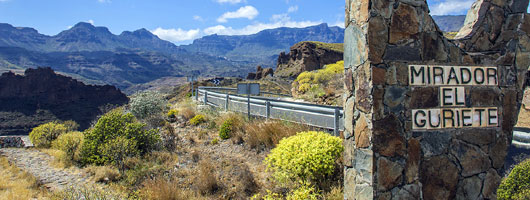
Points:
[[386, 157], [260, 73], [41, 96], [307, 56]]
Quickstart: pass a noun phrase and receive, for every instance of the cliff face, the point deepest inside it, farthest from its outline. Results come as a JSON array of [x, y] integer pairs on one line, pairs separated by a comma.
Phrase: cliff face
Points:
[[41, 96], [307, 56]]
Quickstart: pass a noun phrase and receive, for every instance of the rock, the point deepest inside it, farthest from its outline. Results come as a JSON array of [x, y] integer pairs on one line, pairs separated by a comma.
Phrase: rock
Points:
[[362, 133], [469, 188], [439, 177], [472, 159], [491, 182], [307, 56], [389, 174], [387, 139], [251, 76], [413, 160], [404, 24], [42, 96]]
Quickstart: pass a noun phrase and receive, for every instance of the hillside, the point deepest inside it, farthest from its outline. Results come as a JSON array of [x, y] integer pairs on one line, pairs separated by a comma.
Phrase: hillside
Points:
[[307, 56], [40, 96], [449, 23]]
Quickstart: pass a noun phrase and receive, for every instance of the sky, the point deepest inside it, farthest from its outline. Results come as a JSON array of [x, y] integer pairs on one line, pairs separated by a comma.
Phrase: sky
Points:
[[182, 21]]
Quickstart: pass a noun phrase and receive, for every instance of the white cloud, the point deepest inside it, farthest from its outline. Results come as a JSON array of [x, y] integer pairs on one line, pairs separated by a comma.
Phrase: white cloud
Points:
[[176, 35], [198, 18], [230, 1], [292, 9], [248, 12], [339, 24], [451, 7], [257, 27], [90, 21]]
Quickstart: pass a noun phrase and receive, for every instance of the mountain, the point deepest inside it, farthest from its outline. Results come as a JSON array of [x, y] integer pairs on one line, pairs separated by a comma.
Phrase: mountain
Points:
[[449, 23], [95, 55], [41, 96], [265, 46]]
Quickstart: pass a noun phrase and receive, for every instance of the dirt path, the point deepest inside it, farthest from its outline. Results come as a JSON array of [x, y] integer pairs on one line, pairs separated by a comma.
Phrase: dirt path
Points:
[[39, 165]]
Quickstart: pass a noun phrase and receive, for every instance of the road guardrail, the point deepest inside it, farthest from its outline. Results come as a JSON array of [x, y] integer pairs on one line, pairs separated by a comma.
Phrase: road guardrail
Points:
[[320, 116]]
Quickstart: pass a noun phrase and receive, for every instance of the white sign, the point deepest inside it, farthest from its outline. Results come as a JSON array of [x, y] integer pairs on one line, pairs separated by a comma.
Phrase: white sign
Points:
[[453, 111]]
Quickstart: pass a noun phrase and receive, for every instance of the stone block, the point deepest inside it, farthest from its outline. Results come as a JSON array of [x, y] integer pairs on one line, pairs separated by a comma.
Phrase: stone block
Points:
[[389, 174], [472, 159], [387, 138], [439, 178], [362, 132]]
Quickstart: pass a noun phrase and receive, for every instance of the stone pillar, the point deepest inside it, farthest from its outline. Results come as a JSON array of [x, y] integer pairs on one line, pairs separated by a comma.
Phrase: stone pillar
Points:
[[386, 157]]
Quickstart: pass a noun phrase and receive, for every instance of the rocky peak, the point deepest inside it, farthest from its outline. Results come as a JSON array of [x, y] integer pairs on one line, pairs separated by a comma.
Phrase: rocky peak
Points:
[[42, 90], [307, 56]]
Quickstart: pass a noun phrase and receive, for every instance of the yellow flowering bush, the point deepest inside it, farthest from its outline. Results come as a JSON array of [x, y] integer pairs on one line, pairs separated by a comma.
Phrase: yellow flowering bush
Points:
[[198, 119], [172, 113], [307, 155], [307, 80]]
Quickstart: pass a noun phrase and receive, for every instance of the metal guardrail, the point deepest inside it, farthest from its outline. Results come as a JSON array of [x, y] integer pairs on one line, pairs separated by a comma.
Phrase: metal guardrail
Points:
[[521, 137], [327, 117]]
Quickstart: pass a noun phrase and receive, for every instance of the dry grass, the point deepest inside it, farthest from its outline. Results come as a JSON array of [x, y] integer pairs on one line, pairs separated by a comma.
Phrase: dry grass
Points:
[[104, 174], [16, 184], [162, 189], [187, 109], [59, 156], [266, 134], [206, 181], [336, 193]]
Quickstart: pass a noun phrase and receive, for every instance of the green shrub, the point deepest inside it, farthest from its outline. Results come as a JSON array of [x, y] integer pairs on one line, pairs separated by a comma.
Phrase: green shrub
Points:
[[71, 125], [172, 113], [70, 144], [117, 149], [307, 155], [225, 132], [198, 119], [43, 135], [110, 126], [146, 104], [214, 141], [517, 184]]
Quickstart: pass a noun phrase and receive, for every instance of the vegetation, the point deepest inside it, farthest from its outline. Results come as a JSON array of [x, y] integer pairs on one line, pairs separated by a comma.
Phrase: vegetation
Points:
[[70, 143], [146, 104], [16, 184], [517, 185], [306, 156], [198, 119], [225, 131], [117, 127], [310, 85], [450, 35], [123, 153], [172, 113], [333, 46], [43, 135]]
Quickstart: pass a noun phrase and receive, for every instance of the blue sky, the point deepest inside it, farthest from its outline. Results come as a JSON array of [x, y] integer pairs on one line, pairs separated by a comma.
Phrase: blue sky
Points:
[[181, 21]]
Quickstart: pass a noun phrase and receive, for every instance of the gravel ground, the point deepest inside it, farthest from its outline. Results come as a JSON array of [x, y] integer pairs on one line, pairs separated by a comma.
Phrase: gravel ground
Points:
[[39, 165]]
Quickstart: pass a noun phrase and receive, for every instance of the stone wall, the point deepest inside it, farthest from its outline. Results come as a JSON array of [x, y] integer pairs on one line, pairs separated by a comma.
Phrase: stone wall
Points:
[[384, 157], [13, 141]]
